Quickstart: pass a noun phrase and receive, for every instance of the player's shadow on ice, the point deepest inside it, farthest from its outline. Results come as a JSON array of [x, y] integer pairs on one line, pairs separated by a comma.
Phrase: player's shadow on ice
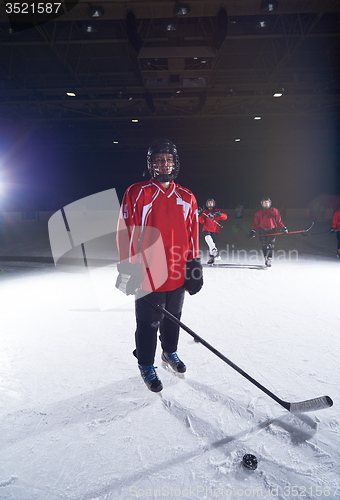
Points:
[[94, 408], [119, 401], [299, 427]]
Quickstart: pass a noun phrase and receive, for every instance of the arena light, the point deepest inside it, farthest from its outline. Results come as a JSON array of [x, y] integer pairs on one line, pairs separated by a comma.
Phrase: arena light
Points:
[[88, 29], [269, 5], [182, 9], [171, 26], [262, 24], [96, 12], [2, 188]]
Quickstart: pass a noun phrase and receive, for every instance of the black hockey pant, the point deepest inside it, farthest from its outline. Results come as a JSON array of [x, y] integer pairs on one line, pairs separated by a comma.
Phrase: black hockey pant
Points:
[[267, 242], [149, 320]]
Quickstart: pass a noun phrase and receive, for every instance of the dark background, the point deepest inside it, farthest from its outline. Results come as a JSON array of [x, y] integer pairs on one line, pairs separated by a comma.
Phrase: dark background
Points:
[[40, 176], [55, 149]]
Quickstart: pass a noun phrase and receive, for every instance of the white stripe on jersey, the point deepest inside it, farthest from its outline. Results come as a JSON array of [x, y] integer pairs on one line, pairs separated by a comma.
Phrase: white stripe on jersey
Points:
[[137, 198], [145, 213], [185, 190], [130, 243], [173, 190], [186, 206]]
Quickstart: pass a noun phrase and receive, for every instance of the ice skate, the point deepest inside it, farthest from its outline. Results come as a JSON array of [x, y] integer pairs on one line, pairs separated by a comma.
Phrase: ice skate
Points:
[[211, 260], [150, 378], [216, 254], [172, 359]]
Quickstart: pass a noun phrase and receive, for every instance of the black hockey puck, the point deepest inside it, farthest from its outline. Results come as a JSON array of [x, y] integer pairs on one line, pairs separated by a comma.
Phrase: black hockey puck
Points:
[[249, 461]]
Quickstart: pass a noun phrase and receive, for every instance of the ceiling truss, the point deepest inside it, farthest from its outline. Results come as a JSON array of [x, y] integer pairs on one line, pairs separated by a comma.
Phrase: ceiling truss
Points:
[[221, 62]]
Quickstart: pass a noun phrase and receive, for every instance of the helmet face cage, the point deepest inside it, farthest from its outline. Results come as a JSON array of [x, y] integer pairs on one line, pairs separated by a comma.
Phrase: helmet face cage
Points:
[[163, 146], [266, 199], [213, 203]]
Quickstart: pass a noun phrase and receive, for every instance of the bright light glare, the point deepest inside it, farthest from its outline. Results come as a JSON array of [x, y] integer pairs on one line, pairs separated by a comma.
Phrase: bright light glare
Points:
[[278, 94]]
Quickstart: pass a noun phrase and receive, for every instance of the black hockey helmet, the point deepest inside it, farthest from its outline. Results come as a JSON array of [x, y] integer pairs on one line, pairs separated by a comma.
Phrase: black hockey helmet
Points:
[[162, 146], [266, 198], [213, 202]]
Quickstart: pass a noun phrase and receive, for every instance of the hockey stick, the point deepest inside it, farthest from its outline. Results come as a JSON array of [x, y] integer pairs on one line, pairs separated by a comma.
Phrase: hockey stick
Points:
[[212, 219], [289, 232], [324, 232], [300, 407]]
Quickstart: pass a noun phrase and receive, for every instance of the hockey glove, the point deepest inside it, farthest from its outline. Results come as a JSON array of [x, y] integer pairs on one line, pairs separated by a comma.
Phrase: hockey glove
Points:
[[216, 213], [199, 211], [251, 234], [193, 276], [130, 277], [332, 230]]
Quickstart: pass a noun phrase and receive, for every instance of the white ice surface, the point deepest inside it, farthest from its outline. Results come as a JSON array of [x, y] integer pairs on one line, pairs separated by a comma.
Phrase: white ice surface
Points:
[[78, 423]]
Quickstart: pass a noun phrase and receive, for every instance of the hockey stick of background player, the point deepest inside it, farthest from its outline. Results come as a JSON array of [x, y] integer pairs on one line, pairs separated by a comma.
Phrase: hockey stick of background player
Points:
[[300, 407], [324, 232], [289, 232], [212, 219]]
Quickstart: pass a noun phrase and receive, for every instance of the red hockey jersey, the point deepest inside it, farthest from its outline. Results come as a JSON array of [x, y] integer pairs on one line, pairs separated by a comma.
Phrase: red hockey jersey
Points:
[[336, 220], [267, 219], [159, 228], [210, 224]]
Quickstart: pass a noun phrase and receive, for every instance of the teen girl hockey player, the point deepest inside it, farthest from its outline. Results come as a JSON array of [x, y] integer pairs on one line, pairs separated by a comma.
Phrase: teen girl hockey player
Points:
[[266, 221], [211, 228], [151, 208]]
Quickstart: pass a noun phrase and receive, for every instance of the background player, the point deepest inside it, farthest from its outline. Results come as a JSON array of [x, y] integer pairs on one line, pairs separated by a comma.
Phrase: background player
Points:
[[211, 228], [266, 221]]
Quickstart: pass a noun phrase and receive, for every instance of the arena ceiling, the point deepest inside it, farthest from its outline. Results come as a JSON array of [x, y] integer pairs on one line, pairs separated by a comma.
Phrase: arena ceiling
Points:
[[196, 71]]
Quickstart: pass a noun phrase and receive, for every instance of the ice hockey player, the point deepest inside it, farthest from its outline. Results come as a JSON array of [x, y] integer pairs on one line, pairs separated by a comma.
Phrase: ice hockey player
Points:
[[239, 216], [336, 228], [151, 208], [211, 228], [267, 220]]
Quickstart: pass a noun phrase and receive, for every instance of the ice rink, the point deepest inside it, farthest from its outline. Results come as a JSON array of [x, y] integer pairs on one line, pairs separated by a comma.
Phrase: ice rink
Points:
[[78, 423]]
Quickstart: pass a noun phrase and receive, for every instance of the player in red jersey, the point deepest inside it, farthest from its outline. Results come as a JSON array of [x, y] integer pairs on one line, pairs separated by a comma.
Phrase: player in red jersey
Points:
[[266, 221], [159, 255], [336, 228], [211, 228]]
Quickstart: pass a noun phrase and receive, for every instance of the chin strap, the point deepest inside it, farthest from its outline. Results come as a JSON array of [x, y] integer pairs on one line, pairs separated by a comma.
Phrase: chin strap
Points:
[[164, 177]]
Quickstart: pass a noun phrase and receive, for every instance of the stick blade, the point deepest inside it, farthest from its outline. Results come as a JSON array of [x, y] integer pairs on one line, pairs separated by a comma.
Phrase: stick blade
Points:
[[311, 405], [310, 227]]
